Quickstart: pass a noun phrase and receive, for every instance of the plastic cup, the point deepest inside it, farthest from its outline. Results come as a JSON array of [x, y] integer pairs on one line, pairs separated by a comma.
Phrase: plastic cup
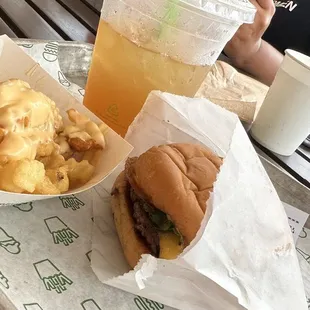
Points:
[[163, 45], [283, 121]]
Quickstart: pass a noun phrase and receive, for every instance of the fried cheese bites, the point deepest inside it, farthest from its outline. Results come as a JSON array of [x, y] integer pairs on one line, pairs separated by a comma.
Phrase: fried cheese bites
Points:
[[46, 187], [79, 173], [59, 178], [21, 176], [61, 164]]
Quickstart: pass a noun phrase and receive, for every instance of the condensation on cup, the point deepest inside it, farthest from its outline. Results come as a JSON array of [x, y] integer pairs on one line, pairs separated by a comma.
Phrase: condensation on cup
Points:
[[283, 121], [166, 45]]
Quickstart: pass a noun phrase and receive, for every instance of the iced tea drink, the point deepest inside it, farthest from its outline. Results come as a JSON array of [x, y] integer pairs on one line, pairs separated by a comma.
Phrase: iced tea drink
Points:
[[122, 74], [139, 49]]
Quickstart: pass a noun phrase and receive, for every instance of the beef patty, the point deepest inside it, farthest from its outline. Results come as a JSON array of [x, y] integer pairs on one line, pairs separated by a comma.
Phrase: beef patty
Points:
[[143, 224]]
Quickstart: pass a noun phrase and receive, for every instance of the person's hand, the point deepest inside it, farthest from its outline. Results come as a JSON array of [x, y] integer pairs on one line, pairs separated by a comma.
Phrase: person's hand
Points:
[[247, 40]]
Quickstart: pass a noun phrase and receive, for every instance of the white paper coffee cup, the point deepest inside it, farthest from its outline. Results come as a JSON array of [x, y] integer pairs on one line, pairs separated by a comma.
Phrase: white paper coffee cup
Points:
[[283, 121]]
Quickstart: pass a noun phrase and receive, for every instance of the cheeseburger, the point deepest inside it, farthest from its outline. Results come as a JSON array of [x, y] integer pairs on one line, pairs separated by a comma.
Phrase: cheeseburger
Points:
[[159, 200]]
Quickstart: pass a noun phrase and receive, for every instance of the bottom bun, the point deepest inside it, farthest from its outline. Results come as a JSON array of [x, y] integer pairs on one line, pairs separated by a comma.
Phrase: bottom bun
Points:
[[132, 245]]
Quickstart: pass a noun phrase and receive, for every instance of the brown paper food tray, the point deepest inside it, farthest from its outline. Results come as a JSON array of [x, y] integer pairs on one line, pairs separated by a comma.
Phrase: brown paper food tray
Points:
[[14, 63]]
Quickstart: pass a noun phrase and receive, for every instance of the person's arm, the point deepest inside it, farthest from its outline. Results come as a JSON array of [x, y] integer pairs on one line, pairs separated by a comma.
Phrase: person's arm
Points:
[[249, 52], [263, 64]]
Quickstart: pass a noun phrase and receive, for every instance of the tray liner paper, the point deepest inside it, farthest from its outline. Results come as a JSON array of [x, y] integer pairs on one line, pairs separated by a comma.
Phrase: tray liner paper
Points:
[[244, 250], [37, 237]]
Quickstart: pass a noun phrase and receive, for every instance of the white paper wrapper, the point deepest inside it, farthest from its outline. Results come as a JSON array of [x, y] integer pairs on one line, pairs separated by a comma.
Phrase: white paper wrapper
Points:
[[243, 256], [14, 63]]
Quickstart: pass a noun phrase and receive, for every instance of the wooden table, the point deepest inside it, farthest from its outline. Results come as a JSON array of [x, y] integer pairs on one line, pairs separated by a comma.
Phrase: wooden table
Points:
[[50, 19], [78, 20]]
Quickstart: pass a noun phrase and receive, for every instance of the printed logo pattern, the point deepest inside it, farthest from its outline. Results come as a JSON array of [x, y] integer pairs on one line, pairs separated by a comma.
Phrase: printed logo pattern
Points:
[[60, 231], [4, 281], [303, 234], [81, 92], [90, 304], [50, 53], [305, 255], [88, 255], [288, 5], [63, 80], [71, 202], [24, 207], [26, 45], [147, 304], [8, 242], [113, 111], [33, 306], [51, 276]]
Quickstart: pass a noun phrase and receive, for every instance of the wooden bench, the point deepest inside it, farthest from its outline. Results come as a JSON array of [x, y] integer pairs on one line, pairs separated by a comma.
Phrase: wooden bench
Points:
[[75, 20]]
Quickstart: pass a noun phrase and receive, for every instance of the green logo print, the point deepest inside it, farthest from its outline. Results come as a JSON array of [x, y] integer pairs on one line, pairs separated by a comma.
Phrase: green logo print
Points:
[[50, 53], [72, 202], [32, 307], [51, 276], [88, 255], [24, 207], [9, 243], [26, 45], [305, 255], [60, 231], [4, 281], [82, 92], [90, 304], [147, 304], [63, 80], [303, 234], [113, 111]]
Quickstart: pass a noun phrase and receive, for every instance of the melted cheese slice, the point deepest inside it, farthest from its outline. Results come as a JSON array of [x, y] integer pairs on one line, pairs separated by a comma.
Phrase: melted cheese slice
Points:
[[170, 246]]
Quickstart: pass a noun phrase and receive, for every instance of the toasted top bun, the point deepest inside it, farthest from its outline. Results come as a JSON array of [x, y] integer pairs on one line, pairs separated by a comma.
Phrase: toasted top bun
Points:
[[177, 179]]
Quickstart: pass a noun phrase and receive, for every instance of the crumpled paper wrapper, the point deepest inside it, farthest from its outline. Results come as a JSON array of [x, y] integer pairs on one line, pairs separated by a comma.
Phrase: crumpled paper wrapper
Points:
[[234, 91], [243, 255]]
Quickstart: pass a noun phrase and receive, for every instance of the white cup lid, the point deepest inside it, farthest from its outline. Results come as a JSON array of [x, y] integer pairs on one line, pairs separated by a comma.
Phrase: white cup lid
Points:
[[297, 65], [300, 58]]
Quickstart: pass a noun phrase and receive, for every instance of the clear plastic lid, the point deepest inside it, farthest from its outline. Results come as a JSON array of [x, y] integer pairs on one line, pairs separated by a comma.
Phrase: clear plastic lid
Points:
[[189, 31], [241, 11]]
